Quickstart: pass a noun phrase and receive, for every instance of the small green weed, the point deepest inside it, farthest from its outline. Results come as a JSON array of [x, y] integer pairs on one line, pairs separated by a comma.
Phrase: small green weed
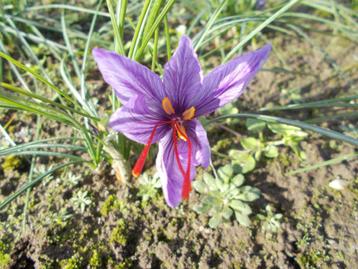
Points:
[[225, 196]]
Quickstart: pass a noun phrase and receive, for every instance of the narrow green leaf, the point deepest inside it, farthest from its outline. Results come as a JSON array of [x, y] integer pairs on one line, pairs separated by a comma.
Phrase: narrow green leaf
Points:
[[122, 16], [155, 50], [44, 99], [167, 38], [155, 25], [84, 62], [26, 147], [37, 76], [153, 14], [209, 25], [300, 124], [334, 102], [333, 161], [260, 28], [119, 48], [139, 29]]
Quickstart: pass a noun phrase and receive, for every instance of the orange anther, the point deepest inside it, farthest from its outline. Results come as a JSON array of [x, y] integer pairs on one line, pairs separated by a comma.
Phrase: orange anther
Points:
[[189, 113], [167, 106], [181, 132]]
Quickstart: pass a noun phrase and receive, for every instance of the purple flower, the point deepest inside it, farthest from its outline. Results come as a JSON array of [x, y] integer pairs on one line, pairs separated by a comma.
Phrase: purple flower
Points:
[[167, 110], [260, 4]]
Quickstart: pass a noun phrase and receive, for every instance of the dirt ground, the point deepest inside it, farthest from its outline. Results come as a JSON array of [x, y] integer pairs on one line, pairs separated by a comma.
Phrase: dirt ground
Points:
[[319, 226]]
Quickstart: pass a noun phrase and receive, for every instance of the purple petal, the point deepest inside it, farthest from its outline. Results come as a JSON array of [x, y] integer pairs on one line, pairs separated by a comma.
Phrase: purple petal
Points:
[[167, 166], [171, 177], [227, 82], [128, 78], [137, 120], [182, 75], [201, 146]]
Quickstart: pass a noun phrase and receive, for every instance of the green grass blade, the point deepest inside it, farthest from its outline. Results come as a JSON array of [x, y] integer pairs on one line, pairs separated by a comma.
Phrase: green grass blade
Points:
[[260, 28], [45, 100], [64, 6], [210, 23], [37, 76], [30, 51], [118, 43], [47, 154], [27, 147], [14, 69], [139, 29], [334, 102], [68, 81], [122, 16], [84, 93], [38, 109], [155, 50], [153, 14], [152, 29], [300, 124], [322, 164], [7, 136], [167, 38], [69, 45], [32, 37]]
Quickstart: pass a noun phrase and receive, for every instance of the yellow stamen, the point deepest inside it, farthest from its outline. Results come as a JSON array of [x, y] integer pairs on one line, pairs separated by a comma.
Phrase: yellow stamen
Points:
[[181, 132], [167, 106], [189, 113]]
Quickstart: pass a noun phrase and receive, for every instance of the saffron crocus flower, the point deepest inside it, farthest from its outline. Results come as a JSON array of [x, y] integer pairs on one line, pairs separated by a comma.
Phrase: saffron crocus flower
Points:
[[166, 111]]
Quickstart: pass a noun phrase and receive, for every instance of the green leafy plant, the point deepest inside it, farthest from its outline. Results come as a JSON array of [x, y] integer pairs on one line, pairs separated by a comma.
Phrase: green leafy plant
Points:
[[254, 148], [148, 186], [270, 221], [81, 200], [291, 136], [224, 196]]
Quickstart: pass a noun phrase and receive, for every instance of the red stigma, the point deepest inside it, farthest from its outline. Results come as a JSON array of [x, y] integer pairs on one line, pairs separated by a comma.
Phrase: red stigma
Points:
[[186, 188], [138, 167], [177, 131]]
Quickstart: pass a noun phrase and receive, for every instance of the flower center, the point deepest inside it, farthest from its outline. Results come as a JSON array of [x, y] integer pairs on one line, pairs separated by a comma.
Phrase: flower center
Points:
[[168, 108], [179, 132]]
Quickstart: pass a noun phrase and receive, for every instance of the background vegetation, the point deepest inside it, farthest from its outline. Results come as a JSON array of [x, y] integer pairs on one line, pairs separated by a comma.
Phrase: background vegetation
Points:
[[282, 189]]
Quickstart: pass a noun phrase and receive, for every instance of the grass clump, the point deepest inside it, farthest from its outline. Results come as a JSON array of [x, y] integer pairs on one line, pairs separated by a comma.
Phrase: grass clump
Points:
[[109, 205], [118, 234], [75, 262], [5, 258], [10, 163], [95, 260]]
